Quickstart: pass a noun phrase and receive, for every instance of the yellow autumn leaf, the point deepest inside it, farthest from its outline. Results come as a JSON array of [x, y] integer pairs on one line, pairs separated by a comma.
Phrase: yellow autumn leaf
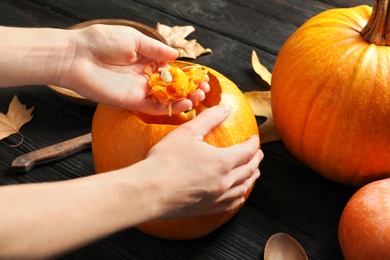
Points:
[[175, 37], [261, 70], [16, 117], [260, 102]]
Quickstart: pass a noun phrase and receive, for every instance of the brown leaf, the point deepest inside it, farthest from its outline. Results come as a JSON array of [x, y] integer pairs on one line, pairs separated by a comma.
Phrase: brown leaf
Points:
[[260, 102], [16, 117], [260, 69], [175, 37]]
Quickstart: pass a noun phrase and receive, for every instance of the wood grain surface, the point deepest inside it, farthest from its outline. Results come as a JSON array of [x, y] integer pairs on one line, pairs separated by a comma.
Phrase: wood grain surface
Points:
[[288, 197]]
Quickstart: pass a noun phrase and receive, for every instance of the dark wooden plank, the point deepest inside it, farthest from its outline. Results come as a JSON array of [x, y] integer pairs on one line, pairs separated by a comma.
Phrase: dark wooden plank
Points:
[[239, 54], [267, 23], [265, 28], [218, 26], [303, 199], [347, 3], [27, 14], [54, 120]]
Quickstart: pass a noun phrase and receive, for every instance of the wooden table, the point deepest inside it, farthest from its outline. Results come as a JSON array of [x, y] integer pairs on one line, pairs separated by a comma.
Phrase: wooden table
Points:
[[288, 197]]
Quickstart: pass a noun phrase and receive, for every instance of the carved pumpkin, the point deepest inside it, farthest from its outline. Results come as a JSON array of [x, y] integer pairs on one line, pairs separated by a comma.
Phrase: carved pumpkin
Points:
[[330, 94], [122, 138]]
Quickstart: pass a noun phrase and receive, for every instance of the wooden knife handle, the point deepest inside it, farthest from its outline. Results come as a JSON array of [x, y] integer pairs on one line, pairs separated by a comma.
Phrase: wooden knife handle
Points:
[[26, 162]]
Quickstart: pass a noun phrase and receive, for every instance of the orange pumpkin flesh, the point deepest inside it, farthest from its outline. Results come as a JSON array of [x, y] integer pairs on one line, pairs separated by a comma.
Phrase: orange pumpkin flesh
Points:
[[331, 97], [122, 138]]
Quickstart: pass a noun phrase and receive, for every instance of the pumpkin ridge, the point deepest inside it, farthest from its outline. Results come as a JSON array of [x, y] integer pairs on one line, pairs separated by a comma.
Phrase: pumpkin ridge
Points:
[[340, 18], [348, 108]]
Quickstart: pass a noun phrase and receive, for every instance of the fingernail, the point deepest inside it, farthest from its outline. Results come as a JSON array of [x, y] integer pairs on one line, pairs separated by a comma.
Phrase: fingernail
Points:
[[225, 108], [257, 173]]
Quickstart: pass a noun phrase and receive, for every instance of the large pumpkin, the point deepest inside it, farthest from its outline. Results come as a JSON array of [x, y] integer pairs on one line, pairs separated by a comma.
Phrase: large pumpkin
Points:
[[330, 95], [122, 138]]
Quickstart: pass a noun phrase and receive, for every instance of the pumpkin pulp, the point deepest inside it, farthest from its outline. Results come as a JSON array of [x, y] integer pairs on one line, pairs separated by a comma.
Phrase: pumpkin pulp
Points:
[[172, 84], [212, 98]]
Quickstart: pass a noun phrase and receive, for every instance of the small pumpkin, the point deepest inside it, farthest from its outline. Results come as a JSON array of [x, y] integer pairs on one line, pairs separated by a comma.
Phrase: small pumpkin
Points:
[[364, 228], [330, 94], [130, 135]]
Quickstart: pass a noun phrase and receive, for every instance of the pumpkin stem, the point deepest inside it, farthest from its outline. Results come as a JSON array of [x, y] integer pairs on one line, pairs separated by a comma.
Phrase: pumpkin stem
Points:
[[377, 30]]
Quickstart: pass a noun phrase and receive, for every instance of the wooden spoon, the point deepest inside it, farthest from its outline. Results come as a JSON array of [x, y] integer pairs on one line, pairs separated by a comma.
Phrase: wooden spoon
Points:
[[281, 246]]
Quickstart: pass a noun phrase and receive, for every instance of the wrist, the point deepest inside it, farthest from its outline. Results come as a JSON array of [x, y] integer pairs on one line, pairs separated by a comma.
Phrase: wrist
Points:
[[39, 54], [141, 191]]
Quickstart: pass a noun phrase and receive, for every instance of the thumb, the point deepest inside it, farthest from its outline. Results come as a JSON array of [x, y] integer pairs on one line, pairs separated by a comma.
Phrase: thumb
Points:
[[208, 119], [155, 50]]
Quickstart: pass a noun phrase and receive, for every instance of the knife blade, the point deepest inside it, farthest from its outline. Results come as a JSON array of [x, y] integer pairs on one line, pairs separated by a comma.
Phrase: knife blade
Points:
[[26, 162]]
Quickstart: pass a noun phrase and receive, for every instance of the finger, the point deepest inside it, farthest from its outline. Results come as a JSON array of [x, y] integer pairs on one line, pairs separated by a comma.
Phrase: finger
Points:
[[197, 96], [205, 86], [245, 171], [156, 108], [241, 154], [227, 206], [182, 105], [154, 49], [207, 120], [241, 189]]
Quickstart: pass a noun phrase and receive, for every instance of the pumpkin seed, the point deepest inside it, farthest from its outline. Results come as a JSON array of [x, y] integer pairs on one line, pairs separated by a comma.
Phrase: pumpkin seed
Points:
[[166, 76]]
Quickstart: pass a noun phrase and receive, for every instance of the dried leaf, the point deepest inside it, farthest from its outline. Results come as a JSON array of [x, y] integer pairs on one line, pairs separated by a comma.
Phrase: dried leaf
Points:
[[260, 102], [175, 37], [16, 117], [260, 69]]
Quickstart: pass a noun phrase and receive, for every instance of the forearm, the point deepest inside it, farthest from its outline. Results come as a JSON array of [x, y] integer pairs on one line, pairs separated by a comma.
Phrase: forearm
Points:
[[30, 56], [44, 220]]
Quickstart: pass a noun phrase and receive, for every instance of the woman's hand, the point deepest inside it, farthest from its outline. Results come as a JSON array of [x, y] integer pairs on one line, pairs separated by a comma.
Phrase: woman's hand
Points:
[[108, 64], [199, 178], [104, 63]]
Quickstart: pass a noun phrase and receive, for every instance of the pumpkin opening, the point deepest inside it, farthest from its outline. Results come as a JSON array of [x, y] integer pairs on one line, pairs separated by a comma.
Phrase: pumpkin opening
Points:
[[377, 29], [213, 97]]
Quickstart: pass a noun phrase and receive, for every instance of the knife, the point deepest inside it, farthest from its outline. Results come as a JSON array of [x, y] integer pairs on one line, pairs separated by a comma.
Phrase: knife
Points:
[[26, 162]]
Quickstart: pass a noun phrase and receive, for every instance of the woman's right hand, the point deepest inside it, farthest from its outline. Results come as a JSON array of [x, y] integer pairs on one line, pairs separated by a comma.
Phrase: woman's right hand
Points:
[[198, 178], [106, 64]]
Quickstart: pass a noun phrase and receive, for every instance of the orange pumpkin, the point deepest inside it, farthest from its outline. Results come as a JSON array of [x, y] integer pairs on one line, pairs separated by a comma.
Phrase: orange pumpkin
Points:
[[122, 138], [364, 228], [330, 95]]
